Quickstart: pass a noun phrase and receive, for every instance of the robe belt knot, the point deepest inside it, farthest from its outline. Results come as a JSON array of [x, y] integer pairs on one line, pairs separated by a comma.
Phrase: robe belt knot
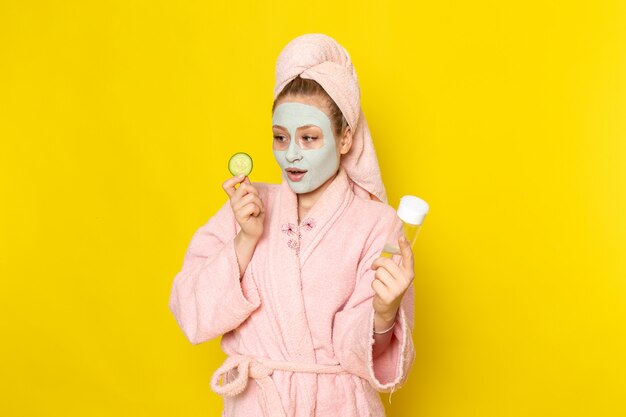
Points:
[[260, 370]]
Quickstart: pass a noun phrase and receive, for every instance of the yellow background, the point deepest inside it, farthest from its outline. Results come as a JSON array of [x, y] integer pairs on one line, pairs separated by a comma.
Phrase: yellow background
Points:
[[117, 119]]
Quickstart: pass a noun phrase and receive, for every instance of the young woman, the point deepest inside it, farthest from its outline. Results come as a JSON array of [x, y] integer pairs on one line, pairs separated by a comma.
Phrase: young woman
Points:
[[290, 274]]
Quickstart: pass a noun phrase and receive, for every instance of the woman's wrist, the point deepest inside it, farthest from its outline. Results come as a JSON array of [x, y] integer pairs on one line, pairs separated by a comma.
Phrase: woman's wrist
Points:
[[247, 239], [383, 322], [382, 333]]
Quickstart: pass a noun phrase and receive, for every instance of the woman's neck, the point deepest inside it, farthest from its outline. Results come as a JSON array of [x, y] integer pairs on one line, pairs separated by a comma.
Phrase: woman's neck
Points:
[[306, 201]]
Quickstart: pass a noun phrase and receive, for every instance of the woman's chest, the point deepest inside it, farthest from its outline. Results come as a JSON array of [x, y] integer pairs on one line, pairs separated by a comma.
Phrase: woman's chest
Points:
[[325, 264]]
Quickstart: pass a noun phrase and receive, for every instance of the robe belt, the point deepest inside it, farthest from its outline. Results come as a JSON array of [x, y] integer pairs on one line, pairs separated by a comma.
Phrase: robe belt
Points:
[[260, 370]]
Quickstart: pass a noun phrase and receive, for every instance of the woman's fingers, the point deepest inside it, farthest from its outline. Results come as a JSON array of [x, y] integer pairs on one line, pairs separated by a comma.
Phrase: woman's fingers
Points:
[[229, 185], [393, 286], [388, 264], [239, 203], [248, 198], [386, 287], [407, 255], [249, 188], [244, 189], [385, 277], [396, 271], [381, 290], [250, 209], [246, 203]]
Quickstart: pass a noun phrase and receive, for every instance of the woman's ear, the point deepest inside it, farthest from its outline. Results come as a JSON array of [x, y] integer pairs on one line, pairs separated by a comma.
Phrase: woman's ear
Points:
[[346, 141]]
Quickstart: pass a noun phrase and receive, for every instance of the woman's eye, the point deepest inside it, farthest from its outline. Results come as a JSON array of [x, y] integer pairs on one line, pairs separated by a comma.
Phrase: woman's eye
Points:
[[309, 138], [279, 138]]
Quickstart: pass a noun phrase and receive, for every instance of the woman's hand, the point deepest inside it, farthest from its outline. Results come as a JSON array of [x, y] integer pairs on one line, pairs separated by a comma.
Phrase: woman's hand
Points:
[[247, 206], [391, 281]]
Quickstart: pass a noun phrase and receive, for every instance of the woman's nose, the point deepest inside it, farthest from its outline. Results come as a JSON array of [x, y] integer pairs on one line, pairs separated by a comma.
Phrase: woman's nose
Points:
[[293, 152]]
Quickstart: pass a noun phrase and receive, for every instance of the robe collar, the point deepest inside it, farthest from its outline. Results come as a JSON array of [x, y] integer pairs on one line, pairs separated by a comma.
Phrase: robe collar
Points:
[[291, 244], [304, 236]]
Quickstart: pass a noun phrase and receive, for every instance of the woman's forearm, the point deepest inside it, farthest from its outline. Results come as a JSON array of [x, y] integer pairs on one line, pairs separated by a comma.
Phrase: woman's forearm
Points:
[[244, 248]]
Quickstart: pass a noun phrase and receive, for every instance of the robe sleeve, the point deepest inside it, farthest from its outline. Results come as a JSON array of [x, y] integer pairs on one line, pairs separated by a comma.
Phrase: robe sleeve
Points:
[[208, 296], [353, 326]]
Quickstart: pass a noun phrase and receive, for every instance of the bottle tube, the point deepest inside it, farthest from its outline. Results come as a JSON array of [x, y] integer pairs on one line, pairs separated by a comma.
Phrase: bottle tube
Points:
[[408, 221]]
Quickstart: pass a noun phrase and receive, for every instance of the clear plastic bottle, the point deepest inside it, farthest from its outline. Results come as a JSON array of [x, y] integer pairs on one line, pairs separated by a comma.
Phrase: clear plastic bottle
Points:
[[409, 218]]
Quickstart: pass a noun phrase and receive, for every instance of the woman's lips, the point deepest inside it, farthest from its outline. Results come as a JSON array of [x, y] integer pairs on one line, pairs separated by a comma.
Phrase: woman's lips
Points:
[[295, 177]]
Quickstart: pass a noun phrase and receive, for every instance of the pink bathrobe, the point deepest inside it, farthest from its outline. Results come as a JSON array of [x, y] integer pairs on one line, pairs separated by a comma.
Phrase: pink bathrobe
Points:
[[298, 327]]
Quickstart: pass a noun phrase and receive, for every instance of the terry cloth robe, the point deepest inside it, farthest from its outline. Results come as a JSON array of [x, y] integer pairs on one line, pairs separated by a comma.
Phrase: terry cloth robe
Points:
[[298, 326]]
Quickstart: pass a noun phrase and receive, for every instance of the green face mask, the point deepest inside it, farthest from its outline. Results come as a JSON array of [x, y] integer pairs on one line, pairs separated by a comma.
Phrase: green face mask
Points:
[[321, 163]]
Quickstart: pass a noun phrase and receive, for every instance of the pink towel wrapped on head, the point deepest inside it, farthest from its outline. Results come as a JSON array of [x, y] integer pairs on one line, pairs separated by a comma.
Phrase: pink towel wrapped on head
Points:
[[298, 325], [320, 58]]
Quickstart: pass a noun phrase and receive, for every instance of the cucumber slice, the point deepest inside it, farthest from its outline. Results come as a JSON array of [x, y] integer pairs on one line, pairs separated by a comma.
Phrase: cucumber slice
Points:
[[240, 163]]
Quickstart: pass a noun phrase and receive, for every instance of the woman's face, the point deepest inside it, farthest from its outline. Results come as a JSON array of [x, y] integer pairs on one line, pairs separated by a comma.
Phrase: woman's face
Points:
[[304, 144]]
